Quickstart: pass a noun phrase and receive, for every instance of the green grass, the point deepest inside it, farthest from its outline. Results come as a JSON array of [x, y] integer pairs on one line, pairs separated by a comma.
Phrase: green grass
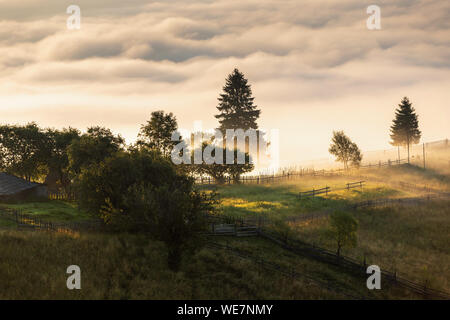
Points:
[[412, 240], [52, 210], [412, 174], [132, 267], [281, 200], [6, 223]]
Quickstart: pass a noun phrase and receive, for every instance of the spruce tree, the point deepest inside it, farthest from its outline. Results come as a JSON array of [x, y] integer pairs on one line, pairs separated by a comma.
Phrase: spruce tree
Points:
[[238, 111], [405, 127], [236, 107]]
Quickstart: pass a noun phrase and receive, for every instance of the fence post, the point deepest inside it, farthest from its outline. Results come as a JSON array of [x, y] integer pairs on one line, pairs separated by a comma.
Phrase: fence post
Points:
[[313, 192]]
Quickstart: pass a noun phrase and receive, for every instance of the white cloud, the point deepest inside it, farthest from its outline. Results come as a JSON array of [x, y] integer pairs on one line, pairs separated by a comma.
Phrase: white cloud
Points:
[[313, 64]]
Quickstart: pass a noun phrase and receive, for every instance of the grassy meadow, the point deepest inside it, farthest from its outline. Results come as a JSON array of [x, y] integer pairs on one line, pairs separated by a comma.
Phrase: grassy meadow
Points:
[[52, 210], [410, 239], [280, 200], [131, 267]]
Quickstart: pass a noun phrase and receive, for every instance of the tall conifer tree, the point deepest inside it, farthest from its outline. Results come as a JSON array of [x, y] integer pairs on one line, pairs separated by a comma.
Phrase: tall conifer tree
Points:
[[236, 107], [405, 127]]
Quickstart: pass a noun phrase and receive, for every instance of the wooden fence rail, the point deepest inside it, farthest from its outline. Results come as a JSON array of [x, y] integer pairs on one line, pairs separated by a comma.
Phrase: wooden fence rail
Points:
[[29, 221], [287, 272], [330, 257], [314, 192], [294, 174], [326, 190], [61, 196]]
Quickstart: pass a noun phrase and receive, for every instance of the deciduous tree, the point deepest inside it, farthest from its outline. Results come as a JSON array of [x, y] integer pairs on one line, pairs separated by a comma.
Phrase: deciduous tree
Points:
[[157, 132], [141, 191], [345, 150], [92, 148], [343, 228], [24, 150]]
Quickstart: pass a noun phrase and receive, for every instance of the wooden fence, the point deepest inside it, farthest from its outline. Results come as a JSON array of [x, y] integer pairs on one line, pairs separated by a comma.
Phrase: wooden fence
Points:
[[326, 190], [261, 179], [260, 221], [350, 264], [227, 229], [264, 230], [287, 272], [28, 221], [61, 196], [314, 192]]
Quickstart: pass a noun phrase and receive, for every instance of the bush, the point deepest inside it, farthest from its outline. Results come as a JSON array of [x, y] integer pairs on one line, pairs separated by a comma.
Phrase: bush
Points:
[[343, 228], [141, 191]]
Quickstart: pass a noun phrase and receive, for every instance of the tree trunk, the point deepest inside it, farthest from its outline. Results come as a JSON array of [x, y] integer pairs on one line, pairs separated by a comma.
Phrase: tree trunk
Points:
[[408, 152]]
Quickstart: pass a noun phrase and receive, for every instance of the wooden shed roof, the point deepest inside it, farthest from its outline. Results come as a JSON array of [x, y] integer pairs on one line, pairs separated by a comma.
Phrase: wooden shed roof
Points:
[[10, 185]]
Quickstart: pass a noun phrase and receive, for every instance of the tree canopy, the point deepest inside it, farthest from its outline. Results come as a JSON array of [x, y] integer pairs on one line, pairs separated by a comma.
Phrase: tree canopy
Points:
[[157, 132], [345, 150], [141, 191], [236, 108], [24, 150], [343, 228], [405, 128], [214, 162], [93, 147]]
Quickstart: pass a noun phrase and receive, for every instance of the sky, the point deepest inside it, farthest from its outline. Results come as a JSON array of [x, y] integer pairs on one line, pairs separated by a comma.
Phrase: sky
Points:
[[314, 66]]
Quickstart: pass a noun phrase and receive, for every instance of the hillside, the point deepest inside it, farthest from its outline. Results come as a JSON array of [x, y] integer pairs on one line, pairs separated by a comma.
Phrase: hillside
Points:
[[410, 239]]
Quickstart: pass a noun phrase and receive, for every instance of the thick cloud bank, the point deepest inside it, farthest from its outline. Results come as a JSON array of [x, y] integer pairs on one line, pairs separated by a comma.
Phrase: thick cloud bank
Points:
[[314, 65]]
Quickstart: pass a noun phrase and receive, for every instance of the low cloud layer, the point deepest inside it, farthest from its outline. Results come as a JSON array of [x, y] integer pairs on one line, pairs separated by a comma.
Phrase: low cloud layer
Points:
[[313, 65]]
